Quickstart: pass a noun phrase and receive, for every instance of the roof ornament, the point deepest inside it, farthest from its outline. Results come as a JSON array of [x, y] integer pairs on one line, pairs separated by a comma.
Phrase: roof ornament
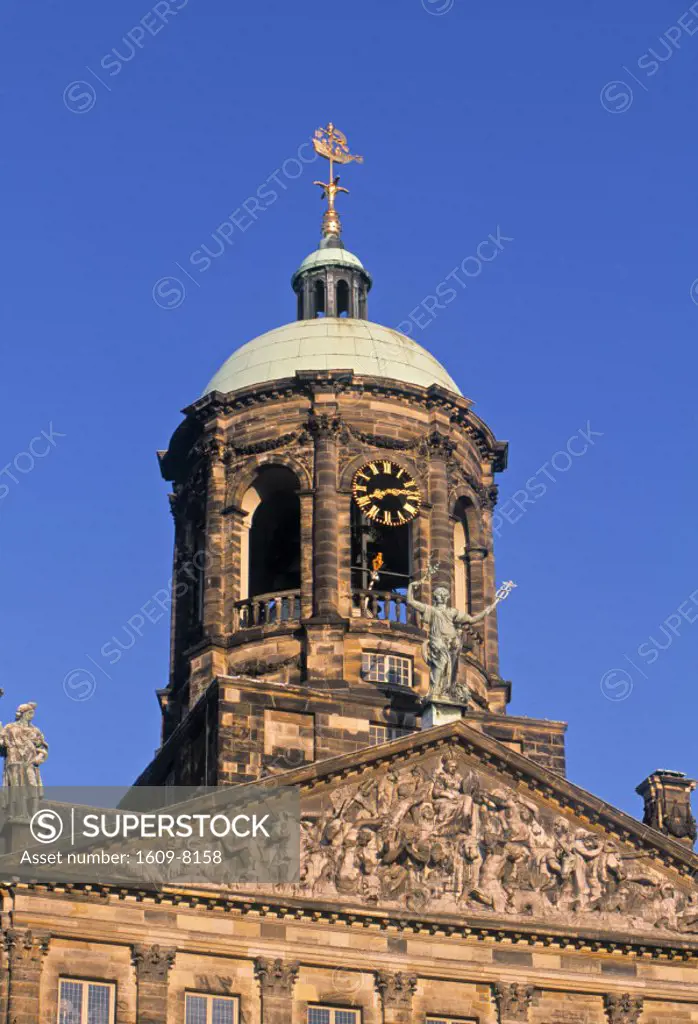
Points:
[[332, 144]]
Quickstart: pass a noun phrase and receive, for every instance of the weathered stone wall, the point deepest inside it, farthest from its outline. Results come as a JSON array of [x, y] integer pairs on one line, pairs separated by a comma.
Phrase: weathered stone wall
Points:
[[161, 947]]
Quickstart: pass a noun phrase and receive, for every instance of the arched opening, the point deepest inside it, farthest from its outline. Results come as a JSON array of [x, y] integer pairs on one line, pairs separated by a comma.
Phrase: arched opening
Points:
[[342, 298], [319, 297], [381, 567], [461, 544], [270, 548]]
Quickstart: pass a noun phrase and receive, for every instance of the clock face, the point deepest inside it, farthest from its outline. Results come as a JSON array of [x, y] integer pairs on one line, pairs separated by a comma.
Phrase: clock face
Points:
[[386, 493]]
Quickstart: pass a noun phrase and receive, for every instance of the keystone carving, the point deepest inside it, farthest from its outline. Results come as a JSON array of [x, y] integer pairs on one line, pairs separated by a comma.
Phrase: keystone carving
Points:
[[624, 1009], [276, 977], [513, 1001]]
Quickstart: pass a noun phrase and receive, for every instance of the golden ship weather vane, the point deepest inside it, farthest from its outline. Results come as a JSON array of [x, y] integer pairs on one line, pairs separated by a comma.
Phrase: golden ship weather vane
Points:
[[332, 144]]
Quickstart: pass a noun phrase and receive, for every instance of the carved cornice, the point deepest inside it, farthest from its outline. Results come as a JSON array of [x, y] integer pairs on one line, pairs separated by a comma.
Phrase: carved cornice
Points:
[[623, 1009], [458, 407], [25, 947], [153, 963], [234, 451], [276, 977], [396, 988], [513, 1001]]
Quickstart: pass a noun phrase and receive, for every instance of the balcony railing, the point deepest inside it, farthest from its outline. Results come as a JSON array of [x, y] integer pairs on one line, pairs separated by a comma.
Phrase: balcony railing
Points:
[[268, 609], [384, 605], [388, 606]]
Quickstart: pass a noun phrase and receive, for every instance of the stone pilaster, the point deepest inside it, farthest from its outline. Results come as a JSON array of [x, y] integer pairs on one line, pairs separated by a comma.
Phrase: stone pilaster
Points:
[[25, 955], [622, 1009], [396, 990], [513, 1001], [216, 526], [152, 965], [324, 427], [306, 501], [441, 523], [276, 981]]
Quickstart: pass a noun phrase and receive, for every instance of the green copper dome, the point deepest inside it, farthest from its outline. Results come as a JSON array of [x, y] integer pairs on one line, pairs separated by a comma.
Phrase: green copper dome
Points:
[[330, 343], [333, 256]]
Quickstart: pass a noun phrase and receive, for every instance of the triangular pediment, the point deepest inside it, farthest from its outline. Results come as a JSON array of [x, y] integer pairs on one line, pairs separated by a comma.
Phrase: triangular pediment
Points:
[[449, 822]]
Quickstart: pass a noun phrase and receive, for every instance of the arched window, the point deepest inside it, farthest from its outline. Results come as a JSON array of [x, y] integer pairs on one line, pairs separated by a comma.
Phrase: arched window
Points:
[[270, 556], [319, 294], [342, 298], [461, 544], [388, 550]]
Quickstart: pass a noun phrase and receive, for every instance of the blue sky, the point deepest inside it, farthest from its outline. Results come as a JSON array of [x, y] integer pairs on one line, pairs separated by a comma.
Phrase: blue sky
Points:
[[552, 127]]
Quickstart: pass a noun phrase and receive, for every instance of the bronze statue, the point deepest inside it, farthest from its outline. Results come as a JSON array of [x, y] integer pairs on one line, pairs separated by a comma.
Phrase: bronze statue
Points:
[[444, 642]]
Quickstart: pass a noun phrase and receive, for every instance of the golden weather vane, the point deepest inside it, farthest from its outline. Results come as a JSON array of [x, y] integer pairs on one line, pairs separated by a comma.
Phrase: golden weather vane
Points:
[[332, 144]]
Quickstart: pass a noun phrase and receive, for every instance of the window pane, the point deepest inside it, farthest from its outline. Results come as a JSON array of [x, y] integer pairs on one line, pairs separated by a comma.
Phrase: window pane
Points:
[[316, 1016], [345, 1017], [223, 1011], [70, 1007], [98, 999], [196, 1010]]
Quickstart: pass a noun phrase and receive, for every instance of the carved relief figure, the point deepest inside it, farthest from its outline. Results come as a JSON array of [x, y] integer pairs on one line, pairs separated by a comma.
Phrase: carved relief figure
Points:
[[440, 835]]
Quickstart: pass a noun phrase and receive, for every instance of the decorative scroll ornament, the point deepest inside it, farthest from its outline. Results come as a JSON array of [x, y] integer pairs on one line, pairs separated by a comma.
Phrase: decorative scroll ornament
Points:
[[396, 988], [623, 1009], [153, 963], [276, 977], [513, 1001], [25, 947]]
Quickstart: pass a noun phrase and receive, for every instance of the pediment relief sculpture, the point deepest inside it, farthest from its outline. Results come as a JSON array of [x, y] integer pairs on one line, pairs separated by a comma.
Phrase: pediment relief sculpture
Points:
[[441, 834]]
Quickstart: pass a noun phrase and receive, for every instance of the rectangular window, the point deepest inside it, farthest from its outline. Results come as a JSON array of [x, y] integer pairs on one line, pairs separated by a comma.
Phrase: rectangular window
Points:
[[85, 1002], [330, 1015], [450, 1020], [393, 669], [378, 733], [209, 1009]]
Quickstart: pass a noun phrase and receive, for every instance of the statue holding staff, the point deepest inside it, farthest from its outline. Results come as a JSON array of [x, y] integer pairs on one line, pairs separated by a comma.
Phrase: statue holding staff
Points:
[[444, 625]]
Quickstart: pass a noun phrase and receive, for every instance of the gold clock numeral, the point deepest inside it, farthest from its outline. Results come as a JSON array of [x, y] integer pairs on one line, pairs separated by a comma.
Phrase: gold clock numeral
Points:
[[399, 492]]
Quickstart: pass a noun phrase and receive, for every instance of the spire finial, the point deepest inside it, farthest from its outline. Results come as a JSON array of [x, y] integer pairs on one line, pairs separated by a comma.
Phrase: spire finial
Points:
[[332, 144]]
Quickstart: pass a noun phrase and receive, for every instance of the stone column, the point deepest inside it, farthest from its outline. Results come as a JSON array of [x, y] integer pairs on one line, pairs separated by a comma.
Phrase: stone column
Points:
[[152, 965], [623, 1009], [325, 628], [276, 981], [396, 990], [513, 1002], [213, 578], [490, 630], [441, 525], [25, 955], [324, 427], [306, 501]]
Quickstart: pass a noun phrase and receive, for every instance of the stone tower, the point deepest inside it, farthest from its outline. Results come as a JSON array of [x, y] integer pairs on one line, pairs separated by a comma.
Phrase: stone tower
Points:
[[292, 640]]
